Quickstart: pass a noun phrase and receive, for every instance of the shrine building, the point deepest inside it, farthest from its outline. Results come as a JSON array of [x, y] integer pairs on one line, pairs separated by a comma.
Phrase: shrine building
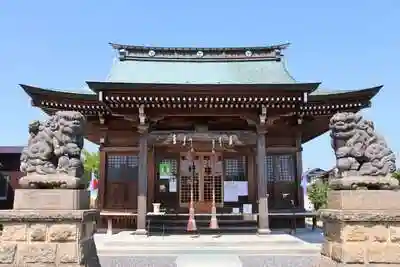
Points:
[[216, 128]]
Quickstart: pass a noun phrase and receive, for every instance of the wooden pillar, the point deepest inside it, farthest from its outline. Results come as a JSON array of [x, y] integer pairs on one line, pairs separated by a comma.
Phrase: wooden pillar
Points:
[[252, 184], [142, 185], [103, 164], [102, 179], [151, 178], [299, 170], [263, 220]]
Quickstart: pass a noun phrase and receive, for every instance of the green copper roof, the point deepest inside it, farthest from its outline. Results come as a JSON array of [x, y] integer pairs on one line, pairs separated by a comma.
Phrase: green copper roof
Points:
[[188, 72], [199, 65]]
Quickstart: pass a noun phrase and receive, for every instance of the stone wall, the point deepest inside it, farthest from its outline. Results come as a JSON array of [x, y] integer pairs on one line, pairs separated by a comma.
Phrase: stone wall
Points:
[[362, 242], [43, 239], [361, 228]]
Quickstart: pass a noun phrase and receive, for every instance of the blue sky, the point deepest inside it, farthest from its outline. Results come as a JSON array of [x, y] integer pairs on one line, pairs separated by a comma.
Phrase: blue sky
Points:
[[62, 44]]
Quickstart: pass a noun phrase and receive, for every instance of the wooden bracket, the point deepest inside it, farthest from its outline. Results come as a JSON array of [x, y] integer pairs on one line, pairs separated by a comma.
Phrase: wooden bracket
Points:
[[300, 119], [142, 115], [250, 121], [102, 119], [103, 137], [262, 129], [263, 115], [143, 127]]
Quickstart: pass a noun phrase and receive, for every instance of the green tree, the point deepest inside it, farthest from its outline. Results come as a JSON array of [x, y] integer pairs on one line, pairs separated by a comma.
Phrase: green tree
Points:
[[91, 163], [318, 194], [396, 175]]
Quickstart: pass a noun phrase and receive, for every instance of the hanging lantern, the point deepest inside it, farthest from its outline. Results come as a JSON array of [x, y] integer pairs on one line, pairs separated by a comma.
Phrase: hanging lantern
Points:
[[213, 145], [230, 140], [184, 140], [220, 141]]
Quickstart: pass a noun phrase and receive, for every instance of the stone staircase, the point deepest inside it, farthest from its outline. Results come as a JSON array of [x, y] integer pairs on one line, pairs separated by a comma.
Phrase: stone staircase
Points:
[[127, 243], [233, 224]]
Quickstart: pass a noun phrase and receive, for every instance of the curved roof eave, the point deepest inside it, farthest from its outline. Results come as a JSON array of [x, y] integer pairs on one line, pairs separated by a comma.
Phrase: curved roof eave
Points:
[[322, 95], [34, 91], [195, 88]]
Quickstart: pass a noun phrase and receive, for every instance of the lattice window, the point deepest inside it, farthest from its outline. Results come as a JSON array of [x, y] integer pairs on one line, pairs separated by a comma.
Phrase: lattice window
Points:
[[4, 180], [132, 163], [235, 169], [285, 168], [269, 168], [122, 167]]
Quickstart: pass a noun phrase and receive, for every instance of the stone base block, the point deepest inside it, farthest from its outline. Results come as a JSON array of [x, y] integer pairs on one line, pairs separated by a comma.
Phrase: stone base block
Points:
[[50, 181], [263, 231], [363, 199], [364, 182], [51, 199], [48, 238], [359, 233]]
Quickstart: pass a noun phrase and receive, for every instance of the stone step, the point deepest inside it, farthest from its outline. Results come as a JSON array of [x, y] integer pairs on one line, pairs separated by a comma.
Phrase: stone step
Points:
[[167, 244], [237, 250]]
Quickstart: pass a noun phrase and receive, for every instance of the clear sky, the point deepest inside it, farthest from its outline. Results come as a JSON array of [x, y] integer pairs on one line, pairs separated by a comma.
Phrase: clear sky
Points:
[[62, 44]]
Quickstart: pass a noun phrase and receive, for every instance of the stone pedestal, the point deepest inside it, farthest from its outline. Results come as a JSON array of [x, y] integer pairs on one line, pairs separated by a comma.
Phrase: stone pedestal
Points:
[[361, 228], [48, 237], [51, 199]]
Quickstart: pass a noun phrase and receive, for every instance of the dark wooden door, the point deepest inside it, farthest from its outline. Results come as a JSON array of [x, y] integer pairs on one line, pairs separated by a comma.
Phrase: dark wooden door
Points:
[[121, 182], [166, 184]]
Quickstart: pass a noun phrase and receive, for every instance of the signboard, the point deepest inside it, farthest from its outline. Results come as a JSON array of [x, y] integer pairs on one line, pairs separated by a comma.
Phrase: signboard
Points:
[[165, 171], [172, 185]]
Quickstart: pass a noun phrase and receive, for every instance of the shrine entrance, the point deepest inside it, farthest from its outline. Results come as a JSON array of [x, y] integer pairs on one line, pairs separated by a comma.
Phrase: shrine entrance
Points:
[[201, 176]]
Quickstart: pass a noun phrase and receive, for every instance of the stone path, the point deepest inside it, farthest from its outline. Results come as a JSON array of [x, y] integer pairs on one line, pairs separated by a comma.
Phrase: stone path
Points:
[[126, 249], [220, 261]]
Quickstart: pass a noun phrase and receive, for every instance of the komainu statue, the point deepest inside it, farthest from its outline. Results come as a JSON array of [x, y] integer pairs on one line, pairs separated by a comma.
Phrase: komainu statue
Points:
[[52, 158], [363, 158]]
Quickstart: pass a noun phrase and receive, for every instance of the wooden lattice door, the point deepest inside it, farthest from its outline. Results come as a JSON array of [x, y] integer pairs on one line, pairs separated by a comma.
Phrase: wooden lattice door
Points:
[[189, 176], [212, 178], [203, 181]]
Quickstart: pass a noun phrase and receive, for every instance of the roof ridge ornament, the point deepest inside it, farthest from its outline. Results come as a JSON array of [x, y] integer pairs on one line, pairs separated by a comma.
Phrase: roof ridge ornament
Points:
[[131, 52], [152, 53]]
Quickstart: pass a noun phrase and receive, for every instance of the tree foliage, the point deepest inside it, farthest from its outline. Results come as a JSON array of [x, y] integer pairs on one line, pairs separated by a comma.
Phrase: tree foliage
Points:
[[91, 163], [318, 194], [396, 175]]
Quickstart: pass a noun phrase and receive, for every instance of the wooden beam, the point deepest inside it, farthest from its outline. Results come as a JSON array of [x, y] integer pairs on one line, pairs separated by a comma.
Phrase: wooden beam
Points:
[[123, 149], [281, 149]]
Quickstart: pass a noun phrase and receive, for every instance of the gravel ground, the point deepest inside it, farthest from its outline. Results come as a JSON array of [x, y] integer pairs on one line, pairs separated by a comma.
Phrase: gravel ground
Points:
[[247, 261]]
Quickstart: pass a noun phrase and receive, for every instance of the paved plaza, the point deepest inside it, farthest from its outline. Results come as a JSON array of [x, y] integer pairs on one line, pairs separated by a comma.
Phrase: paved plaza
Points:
[[277, 249]]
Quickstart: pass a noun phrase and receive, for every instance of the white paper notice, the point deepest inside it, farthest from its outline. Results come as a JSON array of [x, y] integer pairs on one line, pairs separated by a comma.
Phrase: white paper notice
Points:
[[247, 209], [172, 185], [230, 192], [235, 210], [242, 188]]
